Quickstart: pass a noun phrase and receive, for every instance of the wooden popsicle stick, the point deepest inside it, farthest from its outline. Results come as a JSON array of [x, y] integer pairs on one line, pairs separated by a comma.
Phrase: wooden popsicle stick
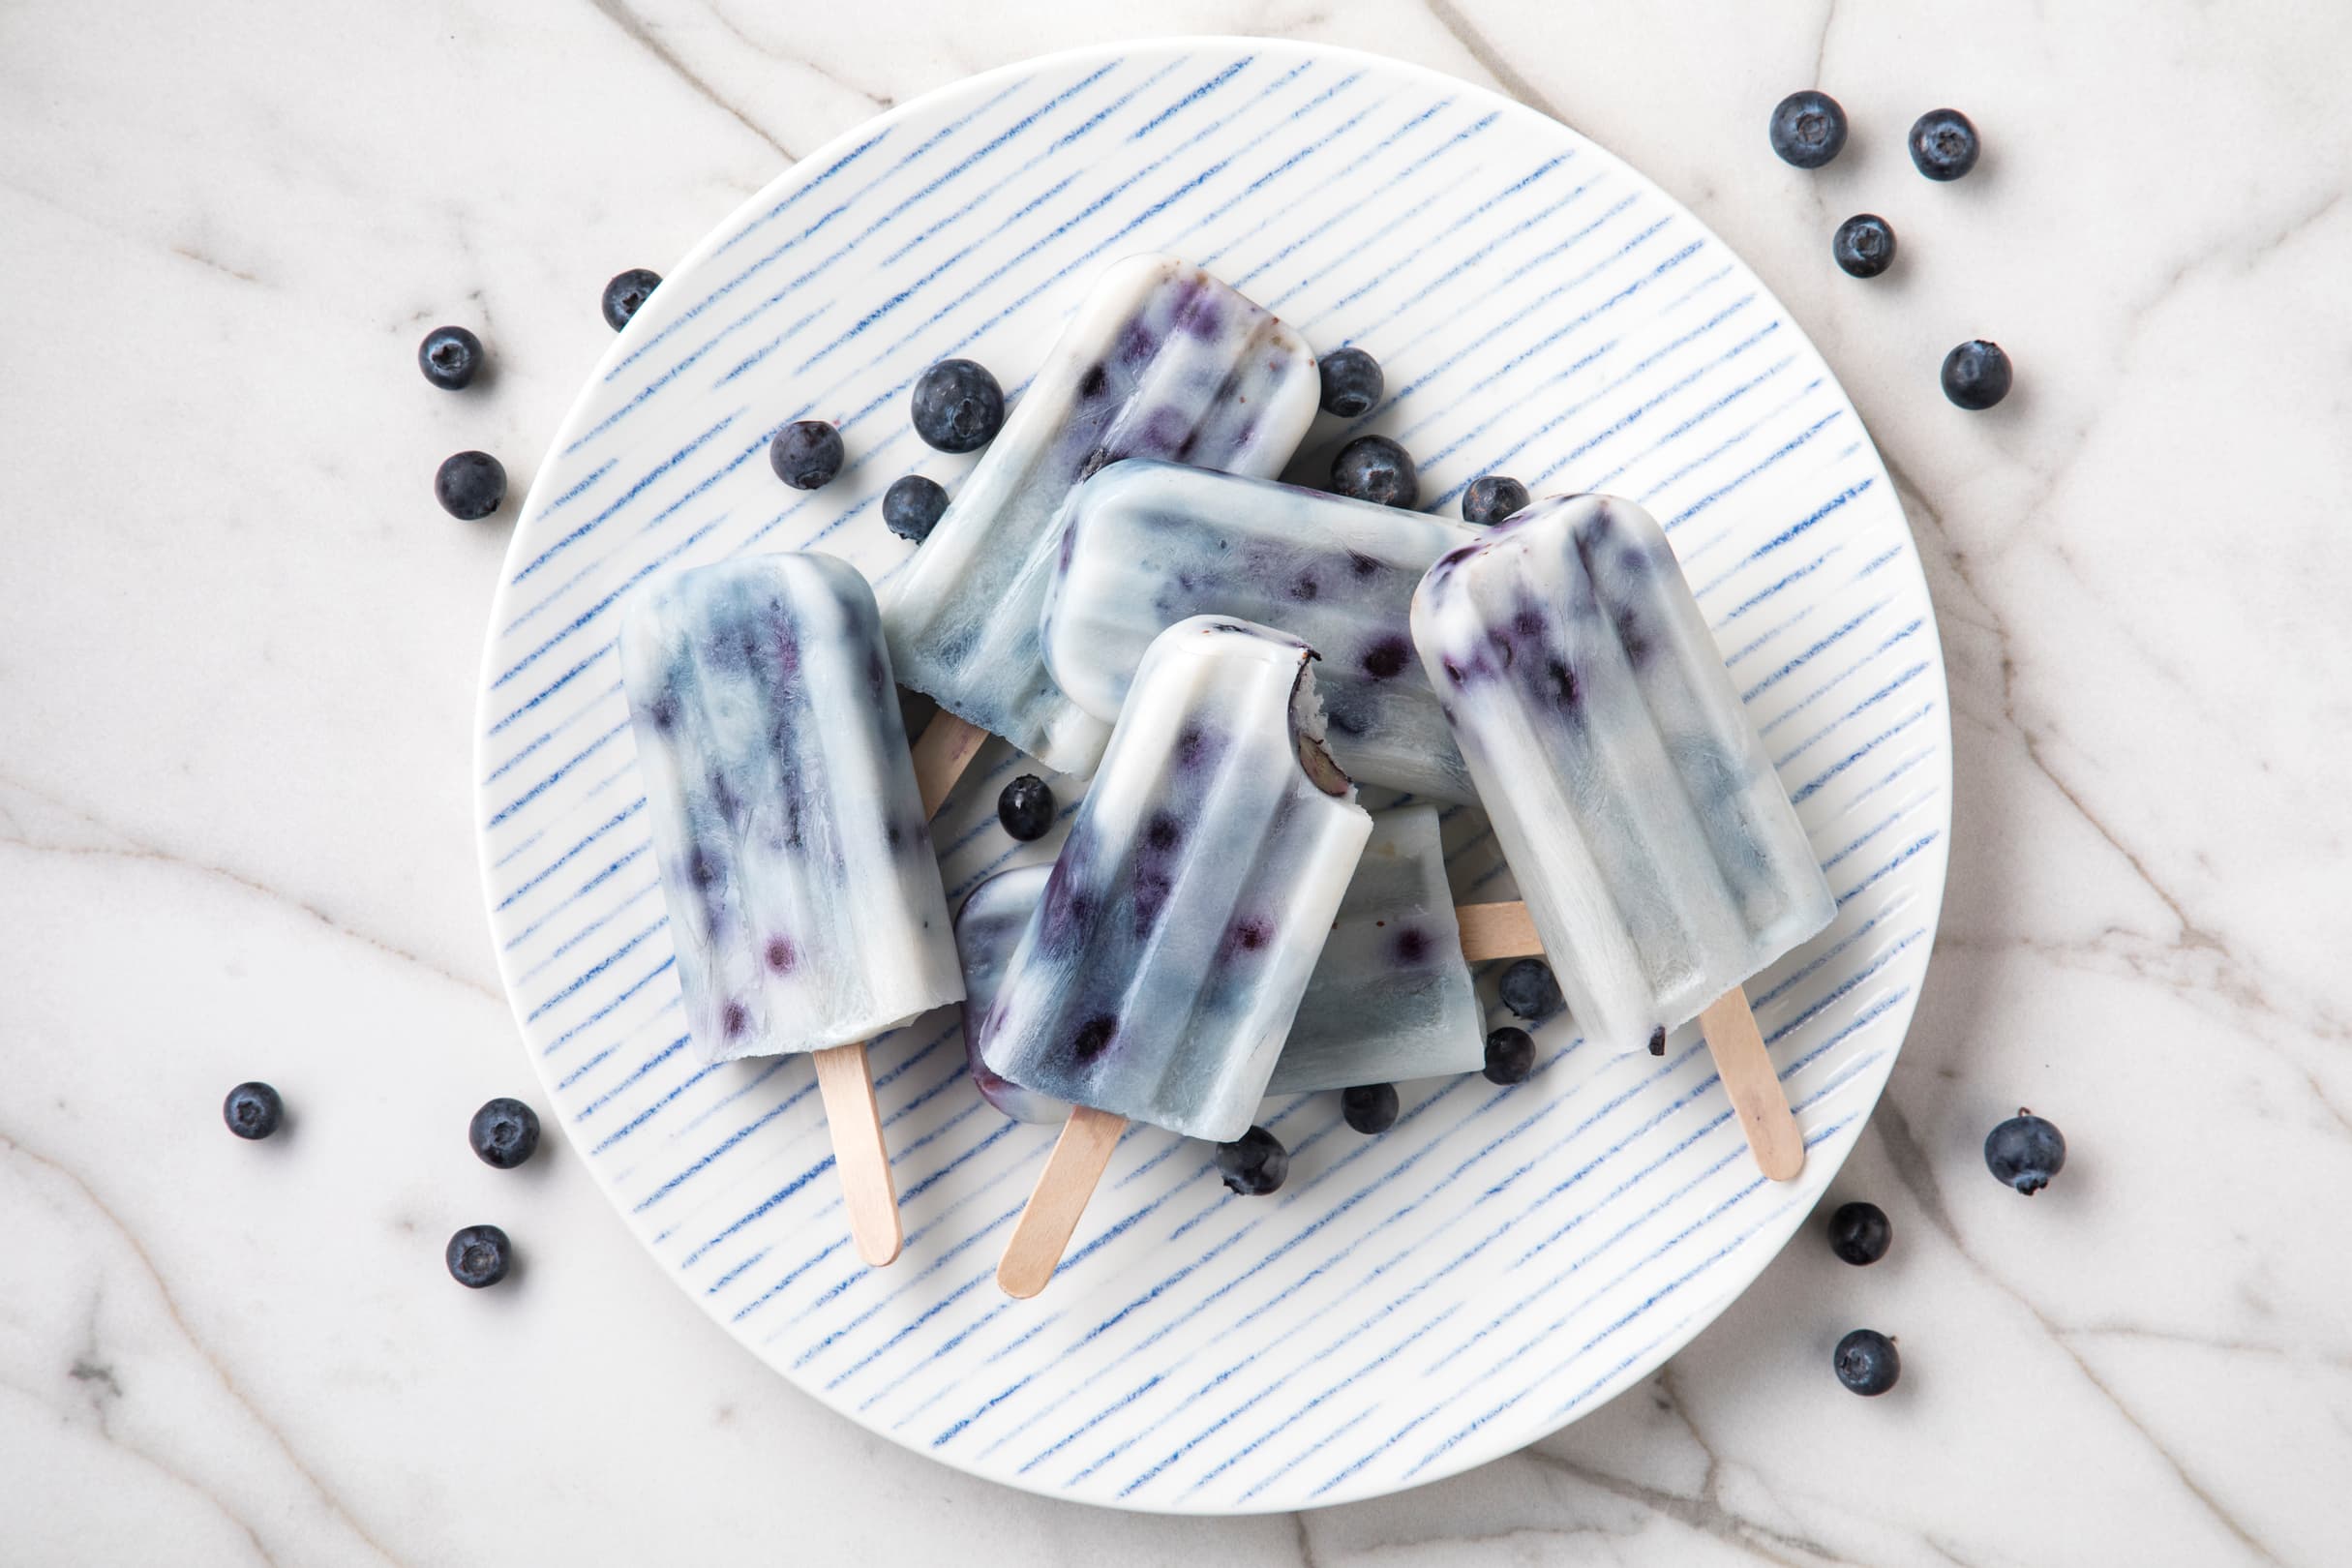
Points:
[[942, 752], [854, 1121], [1043, 1230], [1745, 1068], [1496, 931]]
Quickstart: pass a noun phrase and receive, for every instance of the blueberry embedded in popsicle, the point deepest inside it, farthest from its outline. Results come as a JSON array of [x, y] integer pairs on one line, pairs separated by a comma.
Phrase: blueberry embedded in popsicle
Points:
[[1386, 658]]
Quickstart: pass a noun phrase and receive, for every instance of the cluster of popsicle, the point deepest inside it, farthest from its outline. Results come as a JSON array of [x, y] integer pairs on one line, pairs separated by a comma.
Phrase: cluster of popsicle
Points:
[[1121, 590]]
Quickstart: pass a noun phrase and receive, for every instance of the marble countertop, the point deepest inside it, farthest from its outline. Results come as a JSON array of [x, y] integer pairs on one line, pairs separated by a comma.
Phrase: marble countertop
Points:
[[235, 712]]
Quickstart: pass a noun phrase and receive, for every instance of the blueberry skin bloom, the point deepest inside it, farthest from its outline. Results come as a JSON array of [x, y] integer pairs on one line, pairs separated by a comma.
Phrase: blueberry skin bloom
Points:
[[626, 294], [1374, 469], [1808, 128], [470, 486], [1943, 144], [1254, 1163], [958, 407], [1864, 245], [2025, 1152], [1352, 382], [504, 1133], [806, 454], [253, 1110], [478, 1256], [912, 506], [1866, 1362], [1976, 374], [449, 357]]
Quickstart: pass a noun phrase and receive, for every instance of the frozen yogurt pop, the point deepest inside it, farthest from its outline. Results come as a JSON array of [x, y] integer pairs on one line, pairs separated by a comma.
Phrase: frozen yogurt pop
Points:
[[1661, 859], [1162, 360], [1158, 977], [1391, 997], [1147, 544], [804, 896]]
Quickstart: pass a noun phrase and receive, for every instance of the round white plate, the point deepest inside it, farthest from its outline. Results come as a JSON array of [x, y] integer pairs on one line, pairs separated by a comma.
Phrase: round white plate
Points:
[[1500, 1261]]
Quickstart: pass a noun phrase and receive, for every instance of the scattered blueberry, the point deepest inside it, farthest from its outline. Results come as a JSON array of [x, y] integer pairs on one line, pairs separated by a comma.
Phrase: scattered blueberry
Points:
[[958, 407], [1510, 1055], [1860, 1233], [449, 357], [253, 1110], [1492, 497], [1351, 381], [1530, 990], [1808, 128], [1375, 468], [1866, 1362], [478, 1255], [470, 486], [1864, 245], [1026, 807], [1943, 144], [1372, 1108], [2026, 1152], [626, 294], [1254, 1163], [806, 454], [1976, 374], [505, 1132], [911, 507]]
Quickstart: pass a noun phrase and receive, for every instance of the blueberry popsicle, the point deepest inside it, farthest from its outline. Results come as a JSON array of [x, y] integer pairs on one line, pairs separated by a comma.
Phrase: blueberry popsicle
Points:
[[1147, 544], [804, 896], [1160, 971], [1390, 996], [1661, 859], [1162, 360]]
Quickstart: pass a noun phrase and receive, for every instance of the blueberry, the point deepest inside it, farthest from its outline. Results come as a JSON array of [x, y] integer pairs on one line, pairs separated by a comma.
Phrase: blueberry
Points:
[[1943, 144], [1808, 128], [1254, 1163], [1026, 807], [253, 1110], [478, 1255], [1375, 468], [911, 507], [626, 294], [449, 357], [1351, 381], [1864, 245], [2026, 1152], [1372, 1108], [1492, 497], [1530, 990], [470, 486], [958, 407], [1510, 1055], [1976, 374], [806, 454], [505, 1132], [1859, 1233], [1866, 1362]]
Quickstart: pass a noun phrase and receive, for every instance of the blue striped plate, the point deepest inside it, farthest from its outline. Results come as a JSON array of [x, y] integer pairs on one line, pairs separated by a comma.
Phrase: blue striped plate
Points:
[[1503, 1259]]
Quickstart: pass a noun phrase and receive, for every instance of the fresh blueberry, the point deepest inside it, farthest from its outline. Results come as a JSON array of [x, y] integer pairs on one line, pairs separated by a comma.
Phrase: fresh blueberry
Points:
[[2026, 1152], [253, 1110], [1976, 374], [911, 507], [1351, 381], [1859, 1233], [1864, 245], [1943, 144], [1492, 497], [449, 357], [806, 454], [478, 1255], [1370, 1108], [505, 1132], [1808, 128], [1254, 1163], [958, 407], [626, 294], [1530, 990], [1026, 807], [1510, 1055], [1866, 1362], [471, 485], [1375, 468]]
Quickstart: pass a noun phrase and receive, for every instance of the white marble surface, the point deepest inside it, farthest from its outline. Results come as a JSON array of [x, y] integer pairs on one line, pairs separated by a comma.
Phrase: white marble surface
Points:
[[235, 694]]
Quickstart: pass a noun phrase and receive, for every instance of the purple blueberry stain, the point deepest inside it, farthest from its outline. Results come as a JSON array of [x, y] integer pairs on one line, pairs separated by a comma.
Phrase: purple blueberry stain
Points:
[[1386, 658]]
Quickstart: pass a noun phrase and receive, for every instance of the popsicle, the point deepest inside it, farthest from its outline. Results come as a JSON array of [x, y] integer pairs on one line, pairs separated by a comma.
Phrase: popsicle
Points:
[[1661, 859], [1390, 996], [1162, 360], [804, 896], [1147, 544], [1160, 971]]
